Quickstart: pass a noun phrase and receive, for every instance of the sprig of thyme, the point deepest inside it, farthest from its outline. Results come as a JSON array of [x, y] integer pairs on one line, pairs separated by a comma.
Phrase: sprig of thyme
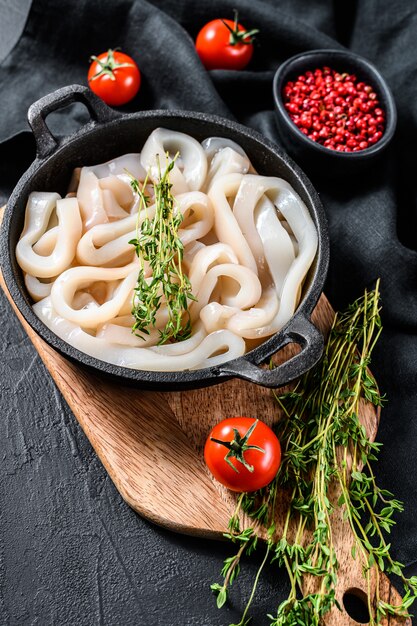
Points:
[[157, 242], [325, 447]]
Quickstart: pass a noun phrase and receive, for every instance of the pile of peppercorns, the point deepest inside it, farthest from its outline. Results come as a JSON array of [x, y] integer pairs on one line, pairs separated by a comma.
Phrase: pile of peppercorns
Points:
[[335, 110]]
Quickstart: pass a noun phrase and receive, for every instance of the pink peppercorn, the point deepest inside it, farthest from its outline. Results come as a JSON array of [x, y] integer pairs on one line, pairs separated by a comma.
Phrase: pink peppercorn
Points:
[[335, 109]]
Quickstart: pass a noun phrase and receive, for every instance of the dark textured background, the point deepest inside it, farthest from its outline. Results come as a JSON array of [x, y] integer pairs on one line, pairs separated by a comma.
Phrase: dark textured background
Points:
[[71, 552]]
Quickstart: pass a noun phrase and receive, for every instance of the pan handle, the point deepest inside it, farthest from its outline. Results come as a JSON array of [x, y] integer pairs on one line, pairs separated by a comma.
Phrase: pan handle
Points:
[[300, 330], [46, 143]]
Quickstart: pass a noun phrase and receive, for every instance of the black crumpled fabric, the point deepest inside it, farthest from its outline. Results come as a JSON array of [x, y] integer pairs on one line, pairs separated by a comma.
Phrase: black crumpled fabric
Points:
[[372, 215]]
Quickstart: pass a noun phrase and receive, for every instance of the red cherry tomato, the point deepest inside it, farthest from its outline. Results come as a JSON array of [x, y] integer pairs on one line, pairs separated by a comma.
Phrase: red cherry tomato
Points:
[[242, 453], [114, 77], [225, 45]]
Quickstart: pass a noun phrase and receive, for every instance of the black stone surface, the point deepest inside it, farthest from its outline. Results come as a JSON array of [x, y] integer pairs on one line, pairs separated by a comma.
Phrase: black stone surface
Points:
[[71, 552]]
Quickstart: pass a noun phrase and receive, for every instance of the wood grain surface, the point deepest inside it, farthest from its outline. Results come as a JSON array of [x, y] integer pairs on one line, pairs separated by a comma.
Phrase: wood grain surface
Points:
[[151, 445]]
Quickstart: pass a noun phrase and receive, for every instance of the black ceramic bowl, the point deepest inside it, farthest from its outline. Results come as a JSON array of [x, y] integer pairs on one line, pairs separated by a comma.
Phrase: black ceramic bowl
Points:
[[110, 134], [310, 153]]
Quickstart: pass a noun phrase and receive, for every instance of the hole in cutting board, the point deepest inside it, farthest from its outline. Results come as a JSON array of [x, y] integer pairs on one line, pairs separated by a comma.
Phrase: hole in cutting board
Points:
[[355, 602]]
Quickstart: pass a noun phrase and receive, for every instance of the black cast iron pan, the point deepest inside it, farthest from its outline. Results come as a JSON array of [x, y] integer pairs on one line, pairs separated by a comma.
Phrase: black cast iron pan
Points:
[[110, 134]]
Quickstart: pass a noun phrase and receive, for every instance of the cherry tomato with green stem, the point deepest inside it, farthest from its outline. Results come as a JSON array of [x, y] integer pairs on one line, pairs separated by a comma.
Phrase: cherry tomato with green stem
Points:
[[114, 77], [243, 453], [225, 45]]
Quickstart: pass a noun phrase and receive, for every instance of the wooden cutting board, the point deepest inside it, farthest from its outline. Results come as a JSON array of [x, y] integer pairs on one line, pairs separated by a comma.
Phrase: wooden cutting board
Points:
[[151, 444]]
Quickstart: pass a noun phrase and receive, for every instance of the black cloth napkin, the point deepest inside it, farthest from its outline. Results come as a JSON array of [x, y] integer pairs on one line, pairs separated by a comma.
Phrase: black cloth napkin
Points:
[[372, 218]]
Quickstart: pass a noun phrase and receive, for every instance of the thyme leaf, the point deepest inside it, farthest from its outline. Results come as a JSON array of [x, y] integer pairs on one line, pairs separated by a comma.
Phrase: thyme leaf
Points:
[[326, 449], [158, 244]]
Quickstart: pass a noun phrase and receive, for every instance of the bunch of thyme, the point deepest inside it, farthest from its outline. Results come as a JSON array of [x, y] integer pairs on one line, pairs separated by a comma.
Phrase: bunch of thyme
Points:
[[158, 243], [326, 450]]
